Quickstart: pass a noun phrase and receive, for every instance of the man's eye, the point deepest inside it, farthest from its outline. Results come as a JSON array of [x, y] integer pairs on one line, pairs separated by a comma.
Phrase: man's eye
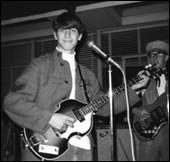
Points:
[[61, 30], [74, 30]]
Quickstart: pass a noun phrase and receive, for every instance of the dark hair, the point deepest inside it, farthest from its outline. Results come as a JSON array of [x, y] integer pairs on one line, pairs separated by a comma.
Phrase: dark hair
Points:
[[68, 20]]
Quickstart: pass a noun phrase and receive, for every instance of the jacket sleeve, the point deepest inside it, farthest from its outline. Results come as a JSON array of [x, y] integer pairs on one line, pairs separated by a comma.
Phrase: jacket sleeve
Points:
[[20, 105]]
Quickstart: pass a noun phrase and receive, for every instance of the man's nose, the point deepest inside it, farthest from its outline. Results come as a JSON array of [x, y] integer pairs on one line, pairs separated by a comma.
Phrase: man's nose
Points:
[[67, 33]]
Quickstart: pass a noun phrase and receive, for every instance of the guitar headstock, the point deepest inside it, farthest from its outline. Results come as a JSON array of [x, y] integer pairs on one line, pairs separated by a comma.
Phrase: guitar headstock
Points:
[[153, 71]]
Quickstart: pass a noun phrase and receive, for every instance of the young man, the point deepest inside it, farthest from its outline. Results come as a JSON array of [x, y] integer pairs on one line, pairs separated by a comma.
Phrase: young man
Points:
[[156, 149], [51, 79]]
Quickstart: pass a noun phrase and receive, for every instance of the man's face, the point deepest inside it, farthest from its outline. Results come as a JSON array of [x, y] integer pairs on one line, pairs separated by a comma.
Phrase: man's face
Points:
[[68, 39], [158, 58]]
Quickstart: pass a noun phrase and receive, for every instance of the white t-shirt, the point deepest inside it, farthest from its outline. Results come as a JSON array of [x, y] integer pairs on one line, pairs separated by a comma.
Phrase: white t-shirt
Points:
[[162, 87]]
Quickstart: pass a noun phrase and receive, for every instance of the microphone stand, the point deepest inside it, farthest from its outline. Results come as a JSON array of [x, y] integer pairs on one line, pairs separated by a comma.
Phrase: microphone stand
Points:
[[111, 110], [167, 95], [168, 104], [112, 62]]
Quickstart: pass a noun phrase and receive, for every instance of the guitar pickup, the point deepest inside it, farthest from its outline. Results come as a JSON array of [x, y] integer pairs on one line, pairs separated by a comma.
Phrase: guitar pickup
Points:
[[78, 114], [48, 149]]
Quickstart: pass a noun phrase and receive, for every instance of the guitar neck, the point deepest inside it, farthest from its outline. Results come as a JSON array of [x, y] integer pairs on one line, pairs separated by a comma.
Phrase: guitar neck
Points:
[[102, 100], [150, 71], [117, 91]]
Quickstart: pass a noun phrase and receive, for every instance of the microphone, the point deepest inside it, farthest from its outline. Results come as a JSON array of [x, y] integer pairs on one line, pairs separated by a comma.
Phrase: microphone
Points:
[[96, 49], [101, 53]]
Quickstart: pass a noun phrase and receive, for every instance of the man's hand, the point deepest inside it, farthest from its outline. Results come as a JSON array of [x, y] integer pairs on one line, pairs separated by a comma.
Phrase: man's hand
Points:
[[141, 113], [61, 121], [142, 83]]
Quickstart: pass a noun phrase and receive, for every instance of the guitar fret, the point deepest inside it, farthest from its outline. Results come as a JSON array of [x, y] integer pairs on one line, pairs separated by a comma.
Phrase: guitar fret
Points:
[[117, 93], [121, 88], [100, 102], [94, 105], [130, 83], [89, 109], [105, 98], [85, 110]]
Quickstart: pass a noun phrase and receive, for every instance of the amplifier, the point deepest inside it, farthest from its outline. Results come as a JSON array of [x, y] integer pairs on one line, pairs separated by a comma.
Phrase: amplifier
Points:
[[121, 147]]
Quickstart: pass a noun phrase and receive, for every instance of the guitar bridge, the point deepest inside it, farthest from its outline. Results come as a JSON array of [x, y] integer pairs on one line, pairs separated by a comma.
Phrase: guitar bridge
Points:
[[48, 149]]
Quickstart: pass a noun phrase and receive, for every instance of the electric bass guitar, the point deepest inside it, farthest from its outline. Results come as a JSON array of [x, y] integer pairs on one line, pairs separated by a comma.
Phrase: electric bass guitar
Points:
[[54, 143], [147, 125]]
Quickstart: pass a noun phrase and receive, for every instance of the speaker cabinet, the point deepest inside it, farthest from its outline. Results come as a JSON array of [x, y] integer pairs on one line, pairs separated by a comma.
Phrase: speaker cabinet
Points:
[[104, 145], [120, 144]]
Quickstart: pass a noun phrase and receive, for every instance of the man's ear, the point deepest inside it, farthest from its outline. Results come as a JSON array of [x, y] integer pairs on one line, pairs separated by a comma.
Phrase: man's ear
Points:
[[166, 58], [55, 36], [80, 36]]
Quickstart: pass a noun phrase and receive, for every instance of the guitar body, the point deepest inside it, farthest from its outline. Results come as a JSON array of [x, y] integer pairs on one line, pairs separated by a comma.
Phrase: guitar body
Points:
[[147, 127], [53, 144]]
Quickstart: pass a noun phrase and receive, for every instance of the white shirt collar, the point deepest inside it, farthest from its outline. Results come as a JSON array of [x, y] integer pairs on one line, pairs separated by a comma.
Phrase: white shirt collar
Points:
[[65, 53]]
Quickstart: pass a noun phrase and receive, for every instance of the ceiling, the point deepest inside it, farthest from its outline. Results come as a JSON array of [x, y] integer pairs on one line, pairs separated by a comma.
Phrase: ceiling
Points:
[[14, 9], [16, 16]]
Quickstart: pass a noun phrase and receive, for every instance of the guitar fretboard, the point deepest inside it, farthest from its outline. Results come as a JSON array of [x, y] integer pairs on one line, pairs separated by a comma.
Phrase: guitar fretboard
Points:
[[117, 91], [94, 105]]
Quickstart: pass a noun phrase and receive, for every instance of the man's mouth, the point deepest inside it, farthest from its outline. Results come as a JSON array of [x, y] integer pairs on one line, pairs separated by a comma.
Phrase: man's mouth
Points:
[[67, 41]]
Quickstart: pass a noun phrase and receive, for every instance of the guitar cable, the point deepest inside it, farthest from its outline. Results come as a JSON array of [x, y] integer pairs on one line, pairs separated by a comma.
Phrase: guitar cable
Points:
[[167, 89], [168, 106], [128, 115]]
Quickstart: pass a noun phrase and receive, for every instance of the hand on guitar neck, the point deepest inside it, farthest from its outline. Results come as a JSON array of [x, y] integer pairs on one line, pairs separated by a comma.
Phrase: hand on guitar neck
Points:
[[150, 71], [142, 83]]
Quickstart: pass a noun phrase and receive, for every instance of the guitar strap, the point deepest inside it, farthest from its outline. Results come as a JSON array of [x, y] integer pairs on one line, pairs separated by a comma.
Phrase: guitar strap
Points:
[[84, 83]]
